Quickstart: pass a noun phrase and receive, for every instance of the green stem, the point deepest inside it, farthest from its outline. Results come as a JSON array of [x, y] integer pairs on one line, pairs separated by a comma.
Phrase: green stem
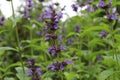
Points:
[[31, 40], [17, 37]]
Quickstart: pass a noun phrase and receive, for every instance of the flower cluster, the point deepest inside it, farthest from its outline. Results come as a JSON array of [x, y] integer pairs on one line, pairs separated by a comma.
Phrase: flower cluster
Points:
[[33, 71], [53, 50], [59, 65], [28, 8], [52, 18], [2, 20], [103, 5]]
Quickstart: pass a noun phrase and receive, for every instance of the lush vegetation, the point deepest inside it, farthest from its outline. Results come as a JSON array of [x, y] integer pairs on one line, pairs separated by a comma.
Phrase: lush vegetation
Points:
[[37, 45]]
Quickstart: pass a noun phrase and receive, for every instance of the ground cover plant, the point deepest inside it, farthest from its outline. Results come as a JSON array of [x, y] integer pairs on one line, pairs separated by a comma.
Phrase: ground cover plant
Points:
[[37, 45]]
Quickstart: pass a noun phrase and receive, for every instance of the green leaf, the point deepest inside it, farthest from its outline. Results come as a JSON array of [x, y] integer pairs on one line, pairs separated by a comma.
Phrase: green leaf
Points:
[[8, 48], [20, 74], [105, 74], [8, 78]]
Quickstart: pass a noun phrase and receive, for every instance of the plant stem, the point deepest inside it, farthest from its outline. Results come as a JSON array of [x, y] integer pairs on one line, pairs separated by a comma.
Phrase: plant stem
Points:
[[17, 37], [31, 41]]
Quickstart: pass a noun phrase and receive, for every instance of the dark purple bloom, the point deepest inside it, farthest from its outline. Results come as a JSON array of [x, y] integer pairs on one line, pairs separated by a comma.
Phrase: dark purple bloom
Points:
[[103, 5], [70, 41], [29, 4], [77, 29], [26, 14], [112, 16], [2, 20], [59, 65], [33, 71], [103, 34], [74, 7], [31, 62], [50, 36]]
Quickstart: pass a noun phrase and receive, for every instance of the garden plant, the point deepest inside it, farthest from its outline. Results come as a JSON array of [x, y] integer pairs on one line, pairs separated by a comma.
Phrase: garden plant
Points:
[[37, 44]]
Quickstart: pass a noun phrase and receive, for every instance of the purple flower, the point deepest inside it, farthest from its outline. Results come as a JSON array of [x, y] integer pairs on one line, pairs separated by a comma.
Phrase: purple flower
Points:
[[60, 38], [70, 41], [2, 20], [52, 51], [52, 67], [33, 71], [101, 4], [38, 71], [77, 29], [68, 62], [59, 65], [62, 48], [89, 9], [26, 14], [30, 72], [31, 62], [60, 15], [103, 34], [55, 26], [112, 17], [74, 7], [47, 14]]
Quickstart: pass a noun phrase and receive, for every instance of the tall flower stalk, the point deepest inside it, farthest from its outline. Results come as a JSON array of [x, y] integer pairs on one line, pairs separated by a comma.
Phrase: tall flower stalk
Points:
[[17, 38]]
